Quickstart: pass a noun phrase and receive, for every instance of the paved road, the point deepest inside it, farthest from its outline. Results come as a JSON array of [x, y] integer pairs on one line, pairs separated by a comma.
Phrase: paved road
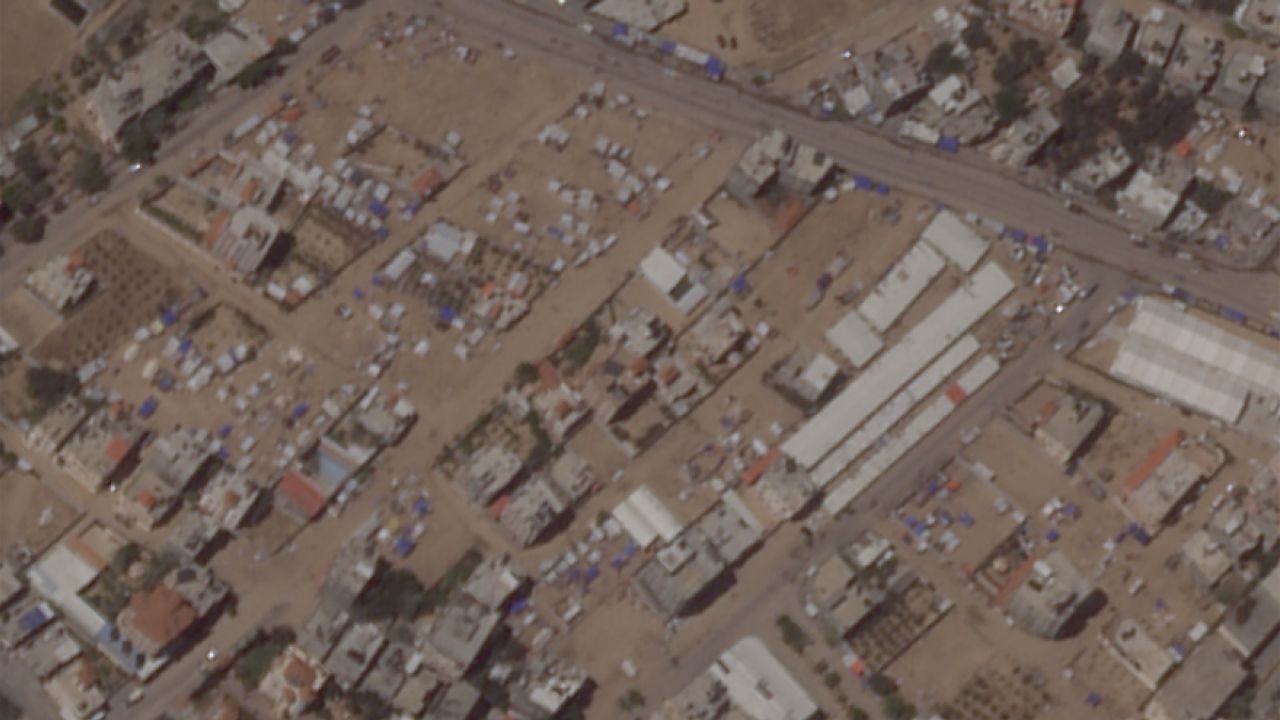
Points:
[[21, 687], [968, 181]]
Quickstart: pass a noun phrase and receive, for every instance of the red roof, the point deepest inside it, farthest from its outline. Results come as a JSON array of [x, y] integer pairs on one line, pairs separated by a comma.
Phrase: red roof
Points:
[[428, 182], [118, 449], [1148, 466], [956, 394], [147, 499], [250, 190], [299, 491], [216, 227], [757, 468], [161, 615]]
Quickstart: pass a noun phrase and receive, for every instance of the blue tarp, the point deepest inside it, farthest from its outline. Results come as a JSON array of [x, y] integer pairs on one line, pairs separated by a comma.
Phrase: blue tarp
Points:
[[165, 382], [1183, 295], [1052, 535], [966, 519], [1221, 241], [882, 188], [1129, 295], [382, 233], [32, 620], [520, 604], [168, 317], [593, 572], [357, 294], [1093, 699], [377, 208], [447, 314], [148, 407], [404, 546], [224, 431], [740, 286], [1019, 235], [948, 144], [422, 506], [555, 232], [184, 346], [1232, 314], [1040, 243], [629, 550], [862, 182], [667, 46], [299, 410], [715, 67], [1139, 534], [224, 454], [619, 30]]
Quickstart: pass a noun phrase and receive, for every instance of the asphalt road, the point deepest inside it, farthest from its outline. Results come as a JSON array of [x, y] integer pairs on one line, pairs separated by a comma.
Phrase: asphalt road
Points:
[[967, 181]]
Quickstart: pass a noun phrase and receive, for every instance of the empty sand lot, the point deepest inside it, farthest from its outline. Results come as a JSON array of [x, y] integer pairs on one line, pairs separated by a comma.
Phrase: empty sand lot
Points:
[[32, 37]]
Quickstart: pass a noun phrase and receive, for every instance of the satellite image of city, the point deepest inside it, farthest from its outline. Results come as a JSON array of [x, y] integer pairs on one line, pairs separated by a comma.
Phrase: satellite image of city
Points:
[[639, 360]]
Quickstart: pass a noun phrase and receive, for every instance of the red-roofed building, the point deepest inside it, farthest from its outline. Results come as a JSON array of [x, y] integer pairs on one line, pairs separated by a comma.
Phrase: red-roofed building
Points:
[[294, 682], [154, 620], [300, 497], [428, 183]]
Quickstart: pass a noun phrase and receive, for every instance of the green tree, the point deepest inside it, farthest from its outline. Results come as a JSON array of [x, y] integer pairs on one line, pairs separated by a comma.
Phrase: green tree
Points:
[[369, 705], [882, 684], [29, 229], [1010, 104], [397, 594], [125, 556], [975, 35], [137, 143], [89, 174], [792, 634], [897, 708], [526, 374], [942, 61], [24, 158]]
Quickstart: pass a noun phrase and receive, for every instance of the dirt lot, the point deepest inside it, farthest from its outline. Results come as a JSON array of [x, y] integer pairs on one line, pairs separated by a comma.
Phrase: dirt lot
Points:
[[31, 513], [765, 33], [33, 36]]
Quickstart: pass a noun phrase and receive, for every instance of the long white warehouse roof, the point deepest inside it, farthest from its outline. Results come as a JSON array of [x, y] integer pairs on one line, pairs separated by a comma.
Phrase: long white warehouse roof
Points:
[[1151, 366], [901, 285], [955, 239], [645, 518], [1201, 340], [854, 339], [898, 365], [759, 685]]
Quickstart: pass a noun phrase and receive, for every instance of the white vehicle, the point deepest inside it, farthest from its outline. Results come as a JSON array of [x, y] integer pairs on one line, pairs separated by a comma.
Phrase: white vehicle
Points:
[[135, 167], [135, 696]]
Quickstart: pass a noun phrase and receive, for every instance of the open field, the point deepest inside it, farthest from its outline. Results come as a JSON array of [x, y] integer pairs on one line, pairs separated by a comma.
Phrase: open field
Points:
[[33, 37], [31, 515]]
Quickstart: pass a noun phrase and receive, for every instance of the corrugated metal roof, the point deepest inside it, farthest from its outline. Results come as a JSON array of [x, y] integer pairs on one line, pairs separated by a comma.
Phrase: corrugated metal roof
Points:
[[953, 238], [901, 286], [854, 339], [899, 364]]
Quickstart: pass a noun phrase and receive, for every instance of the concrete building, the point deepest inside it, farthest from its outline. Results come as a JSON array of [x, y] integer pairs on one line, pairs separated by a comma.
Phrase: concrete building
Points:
[[573, 475], [491, 471], [235, 48], [759, 685], [1101, 170], [1209, 676], [775, 156], [1196, 60], [57, 425], [804, 377], [229, 498], [355, 653], [1066, 425], [1165, 480], [1156, 190], [246, 240], [156, 621], [1239, 79], [103, 450], [532, 510], [1053, 17], [165, 68], [1022, 141], [785, 488], [62, 282], [1157, 36], [644, 15], [731, 528], [1050, 597], [1260, 16], [1137, 651], [1254, 621], [455, 637], [460, 701], [1110, 32], [680, 574], [495, 581], [294, 683], [891, 80], [49, 651], [75, 690]]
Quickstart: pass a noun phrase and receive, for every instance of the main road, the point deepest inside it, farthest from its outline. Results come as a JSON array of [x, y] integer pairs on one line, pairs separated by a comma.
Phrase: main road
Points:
[[967, 181]]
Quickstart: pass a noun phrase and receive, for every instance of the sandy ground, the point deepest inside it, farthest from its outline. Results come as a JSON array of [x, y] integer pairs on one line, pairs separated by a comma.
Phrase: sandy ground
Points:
[[33, 36], [31, 513], [764, 34]]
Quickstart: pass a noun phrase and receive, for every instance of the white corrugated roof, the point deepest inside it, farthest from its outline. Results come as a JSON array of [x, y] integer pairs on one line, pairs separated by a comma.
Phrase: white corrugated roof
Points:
[[646, 519], [950, 235], [901, 285], [854, 339], [759, 685], [1150, 365], [897, 365], [662, 269]]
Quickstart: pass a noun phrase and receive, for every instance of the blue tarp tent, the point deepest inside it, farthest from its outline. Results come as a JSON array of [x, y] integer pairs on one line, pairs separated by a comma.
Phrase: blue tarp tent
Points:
[[715, 68], [740, 286], [1232, 314], [299, 410], [383, 233], [184, 346], [404, 546], [148, 407], [619, 30], [447, 314], [168, 317], [948, 144], [667, 46], [422, 506], [224, 431]]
